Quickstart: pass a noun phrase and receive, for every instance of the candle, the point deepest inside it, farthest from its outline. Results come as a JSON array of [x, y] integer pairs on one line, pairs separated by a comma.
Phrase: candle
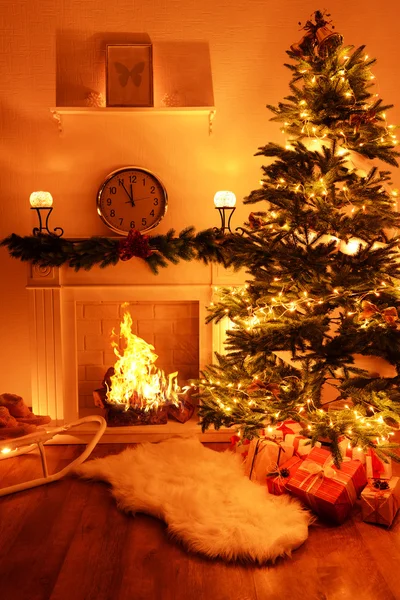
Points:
[[41, 200]]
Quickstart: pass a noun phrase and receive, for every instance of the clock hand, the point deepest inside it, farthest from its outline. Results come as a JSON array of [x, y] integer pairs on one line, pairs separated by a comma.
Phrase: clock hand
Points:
[[130, 195], [144, 198]]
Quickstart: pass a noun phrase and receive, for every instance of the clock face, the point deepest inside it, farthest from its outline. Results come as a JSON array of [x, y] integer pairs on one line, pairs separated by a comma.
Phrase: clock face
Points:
[[131, 198]]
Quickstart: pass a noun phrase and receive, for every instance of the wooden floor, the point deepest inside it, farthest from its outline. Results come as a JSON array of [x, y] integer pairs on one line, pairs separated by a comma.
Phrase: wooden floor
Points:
[[68, 541]]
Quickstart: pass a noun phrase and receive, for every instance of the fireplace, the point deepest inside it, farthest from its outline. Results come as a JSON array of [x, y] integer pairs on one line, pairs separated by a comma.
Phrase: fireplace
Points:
[[172, 327], [72, 315]]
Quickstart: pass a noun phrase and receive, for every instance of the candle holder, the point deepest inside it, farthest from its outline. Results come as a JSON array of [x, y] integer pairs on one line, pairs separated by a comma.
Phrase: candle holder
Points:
[[225, 204], [42, 202]]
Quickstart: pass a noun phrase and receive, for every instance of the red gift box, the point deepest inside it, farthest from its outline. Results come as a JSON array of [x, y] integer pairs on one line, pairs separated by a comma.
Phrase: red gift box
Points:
[[329, 491], [301, 444], [277, 481]]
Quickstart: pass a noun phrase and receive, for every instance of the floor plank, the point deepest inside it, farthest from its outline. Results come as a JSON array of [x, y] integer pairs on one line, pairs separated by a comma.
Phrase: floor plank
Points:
[[69, 541]]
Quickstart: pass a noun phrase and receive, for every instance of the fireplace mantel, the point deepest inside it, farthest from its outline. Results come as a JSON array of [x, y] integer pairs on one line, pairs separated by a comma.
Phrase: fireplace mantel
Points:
[[53, 297]]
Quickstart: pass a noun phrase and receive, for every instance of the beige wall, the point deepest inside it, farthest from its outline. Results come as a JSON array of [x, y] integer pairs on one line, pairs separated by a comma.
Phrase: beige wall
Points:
[[50, 41]]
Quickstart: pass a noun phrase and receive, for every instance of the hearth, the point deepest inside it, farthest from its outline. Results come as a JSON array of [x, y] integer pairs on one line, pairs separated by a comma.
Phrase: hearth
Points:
[[64, 355]]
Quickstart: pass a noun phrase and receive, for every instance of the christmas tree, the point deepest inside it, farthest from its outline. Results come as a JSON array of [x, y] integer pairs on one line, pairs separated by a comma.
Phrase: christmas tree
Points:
[[323, 258]]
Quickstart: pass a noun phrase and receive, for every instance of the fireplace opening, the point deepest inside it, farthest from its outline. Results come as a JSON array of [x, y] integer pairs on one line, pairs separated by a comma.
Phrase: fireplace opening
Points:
[[171, 328]]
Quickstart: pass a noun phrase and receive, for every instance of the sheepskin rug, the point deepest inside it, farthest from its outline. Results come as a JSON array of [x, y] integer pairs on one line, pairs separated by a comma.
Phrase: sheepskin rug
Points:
[[205, 499]]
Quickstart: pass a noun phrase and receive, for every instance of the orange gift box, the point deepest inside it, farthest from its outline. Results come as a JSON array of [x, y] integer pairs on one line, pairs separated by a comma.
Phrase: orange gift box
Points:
[[380, 504], [330, 492], [265, 456]]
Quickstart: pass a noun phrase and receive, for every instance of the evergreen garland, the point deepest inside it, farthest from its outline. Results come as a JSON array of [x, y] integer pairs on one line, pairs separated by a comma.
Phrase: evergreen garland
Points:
[[51, 251]]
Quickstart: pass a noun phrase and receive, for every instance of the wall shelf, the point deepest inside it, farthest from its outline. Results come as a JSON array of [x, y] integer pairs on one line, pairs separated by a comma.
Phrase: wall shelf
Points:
[[58, 111]]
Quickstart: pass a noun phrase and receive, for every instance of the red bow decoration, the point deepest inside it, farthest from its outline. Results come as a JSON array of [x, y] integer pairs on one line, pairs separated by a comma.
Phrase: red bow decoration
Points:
[[389, 314], [358, 119], [255, 221], [257, 385], [135, 244]]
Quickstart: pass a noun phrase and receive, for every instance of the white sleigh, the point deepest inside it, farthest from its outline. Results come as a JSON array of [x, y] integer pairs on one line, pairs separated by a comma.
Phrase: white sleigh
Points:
[[27, 443]]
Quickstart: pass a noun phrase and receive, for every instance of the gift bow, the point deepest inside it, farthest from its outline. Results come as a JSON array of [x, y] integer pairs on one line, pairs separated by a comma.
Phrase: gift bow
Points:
[[313, 468], [389, 314]]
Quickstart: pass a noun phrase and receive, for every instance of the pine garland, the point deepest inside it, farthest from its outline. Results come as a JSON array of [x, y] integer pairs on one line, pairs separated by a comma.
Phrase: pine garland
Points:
[[51, 251]]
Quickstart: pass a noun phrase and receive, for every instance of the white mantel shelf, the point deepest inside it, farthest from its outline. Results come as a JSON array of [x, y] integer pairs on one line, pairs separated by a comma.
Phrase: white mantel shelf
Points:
[[58, 111], [80, 110]]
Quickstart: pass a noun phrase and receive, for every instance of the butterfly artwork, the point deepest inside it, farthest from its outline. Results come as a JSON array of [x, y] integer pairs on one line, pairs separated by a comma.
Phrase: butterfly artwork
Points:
[[124, 74], [129, 75]]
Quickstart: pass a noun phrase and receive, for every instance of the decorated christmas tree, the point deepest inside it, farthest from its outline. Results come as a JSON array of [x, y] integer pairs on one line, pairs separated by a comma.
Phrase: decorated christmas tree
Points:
[[323, 263]]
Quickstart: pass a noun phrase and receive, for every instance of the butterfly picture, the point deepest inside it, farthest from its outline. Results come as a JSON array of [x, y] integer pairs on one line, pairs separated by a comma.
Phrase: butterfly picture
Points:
[[129, 75], [124, 73]]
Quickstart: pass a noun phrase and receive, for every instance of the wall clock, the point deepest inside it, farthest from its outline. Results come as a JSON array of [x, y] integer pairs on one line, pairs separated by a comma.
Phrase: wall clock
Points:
[[131, 198]]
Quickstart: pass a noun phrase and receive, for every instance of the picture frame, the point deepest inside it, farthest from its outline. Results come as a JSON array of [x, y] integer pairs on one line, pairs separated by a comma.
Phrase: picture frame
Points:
[[129, 75]]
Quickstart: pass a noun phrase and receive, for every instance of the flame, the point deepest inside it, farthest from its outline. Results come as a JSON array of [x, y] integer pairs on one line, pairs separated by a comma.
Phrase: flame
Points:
[[137, 382]]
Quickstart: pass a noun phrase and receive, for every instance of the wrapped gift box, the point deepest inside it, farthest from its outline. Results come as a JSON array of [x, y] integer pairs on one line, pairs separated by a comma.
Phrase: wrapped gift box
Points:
[[301, 444], [348, 451], [264, 456], [376, 467], [329, 491], [380, 505], [278, 479]]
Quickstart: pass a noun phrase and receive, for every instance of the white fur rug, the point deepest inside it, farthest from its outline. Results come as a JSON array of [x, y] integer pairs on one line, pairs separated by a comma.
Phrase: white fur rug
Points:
[[204, 497]]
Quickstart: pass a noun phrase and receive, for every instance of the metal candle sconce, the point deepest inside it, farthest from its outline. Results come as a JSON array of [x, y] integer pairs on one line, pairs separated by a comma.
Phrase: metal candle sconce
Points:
[[42, 202], [225, 204]]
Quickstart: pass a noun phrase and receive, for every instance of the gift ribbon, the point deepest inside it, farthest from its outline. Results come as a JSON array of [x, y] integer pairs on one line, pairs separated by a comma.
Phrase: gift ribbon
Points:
[[317, 473]]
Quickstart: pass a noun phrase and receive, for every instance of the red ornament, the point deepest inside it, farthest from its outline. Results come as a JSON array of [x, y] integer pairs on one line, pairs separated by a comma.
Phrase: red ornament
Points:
[[255, 221], [135, 244]]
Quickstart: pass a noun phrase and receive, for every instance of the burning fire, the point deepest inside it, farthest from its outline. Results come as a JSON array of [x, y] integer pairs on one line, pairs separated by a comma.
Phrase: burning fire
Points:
[[137, 382]]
